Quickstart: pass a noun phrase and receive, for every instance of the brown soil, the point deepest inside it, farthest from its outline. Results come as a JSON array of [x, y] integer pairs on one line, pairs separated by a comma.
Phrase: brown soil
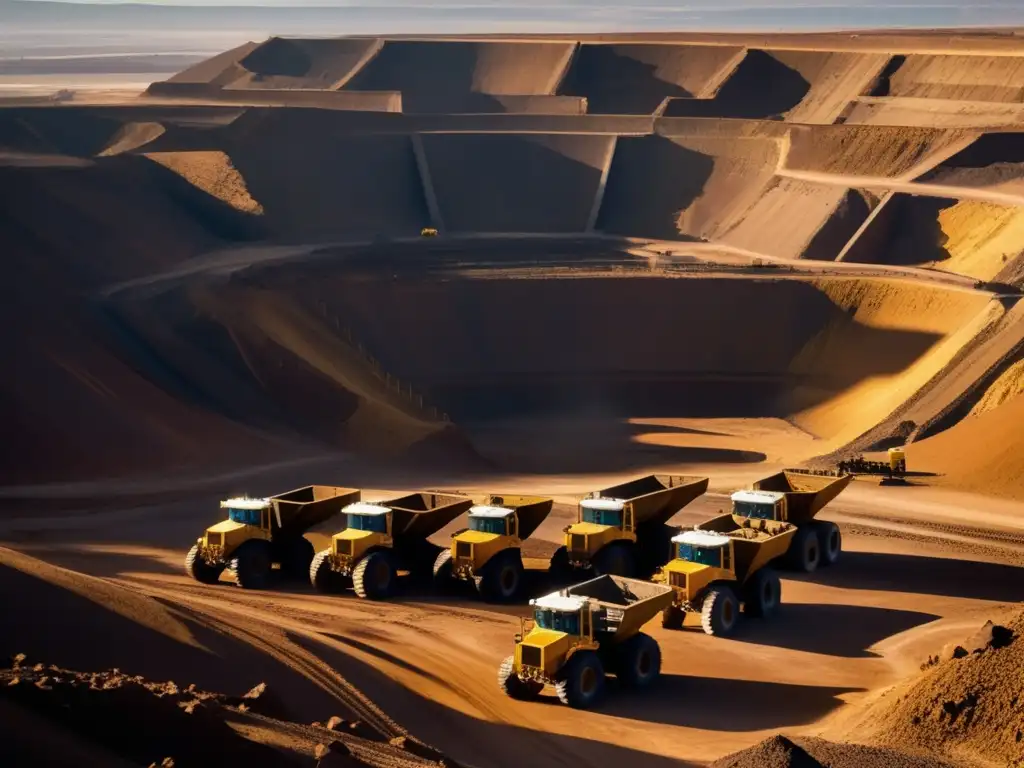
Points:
[[968, 702], [781, 752]]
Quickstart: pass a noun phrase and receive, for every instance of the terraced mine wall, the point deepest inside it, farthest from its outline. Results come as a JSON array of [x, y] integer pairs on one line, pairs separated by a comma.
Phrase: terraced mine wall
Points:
[[492, 348]]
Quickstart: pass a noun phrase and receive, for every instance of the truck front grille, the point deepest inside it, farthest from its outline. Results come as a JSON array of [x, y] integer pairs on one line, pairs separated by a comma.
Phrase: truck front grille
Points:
[[215, 539], [679, 580], [343, 547], [577, 542], [463, 549], [531, 656]]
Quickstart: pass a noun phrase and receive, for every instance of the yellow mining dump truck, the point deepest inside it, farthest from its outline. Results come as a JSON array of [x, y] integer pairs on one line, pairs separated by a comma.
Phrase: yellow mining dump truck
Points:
[[488, 552], [715, 571], [580, 634], [261, 532], [618, 529], [382, 539], [795, 498]]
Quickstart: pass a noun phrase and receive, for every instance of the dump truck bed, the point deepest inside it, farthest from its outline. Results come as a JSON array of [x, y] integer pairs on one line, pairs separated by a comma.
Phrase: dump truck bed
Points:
[[302, 508], [656, 498], [630, 603], [756, 542], [423, 514], [530, 510], [806, 494]]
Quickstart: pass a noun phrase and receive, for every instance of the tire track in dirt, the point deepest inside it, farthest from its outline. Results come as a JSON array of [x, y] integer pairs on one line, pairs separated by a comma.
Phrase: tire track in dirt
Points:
[[272, 639]]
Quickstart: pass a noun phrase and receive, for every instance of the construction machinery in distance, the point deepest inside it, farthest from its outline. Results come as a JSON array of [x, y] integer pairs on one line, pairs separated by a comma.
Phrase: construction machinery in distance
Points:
[[262, 532], [489, 552], [428, 232], [580, 634], [893, 470], [790, 497], [714, 573], [621, 529], [383, 538]]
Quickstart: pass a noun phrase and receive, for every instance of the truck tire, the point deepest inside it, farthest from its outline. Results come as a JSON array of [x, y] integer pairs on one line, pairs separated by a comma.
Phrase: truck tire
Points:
[[443, 570], [830, 539], [639, 661], [252, 564], [582, 681], [804, 551], [614, 560], [502, 577], [720, 611], [559, 567], [672, 617], [199, 569], [296, 558], [763, 594], [374, 576], [513, 685], [324, 578]]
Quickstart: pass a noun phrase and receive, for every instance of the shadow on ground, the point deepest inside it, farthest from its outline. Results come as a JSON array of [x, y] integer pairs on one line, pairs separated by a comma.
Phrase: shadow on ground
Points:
[[836, 630], [923, 575]]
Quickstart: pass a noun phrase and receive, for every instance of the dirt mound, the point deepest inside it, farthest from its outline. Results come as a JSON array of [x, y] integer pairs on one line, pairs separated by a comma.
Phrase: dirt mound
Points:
[[968, 237], [982, 452], [217, 70], [684, 186], [964, 78], [636, 79], [132, 136], [782, 752], [1007, 386], [317, 64], [459, 76], [127, 719], [967, 703], [850, 150], [213, 173], [510, 183]]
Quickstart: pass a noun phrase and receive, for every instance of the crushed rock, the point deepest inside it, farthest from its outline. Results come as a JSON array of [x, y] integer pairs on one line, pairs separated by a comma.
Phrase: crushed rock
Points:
[[782, 752]]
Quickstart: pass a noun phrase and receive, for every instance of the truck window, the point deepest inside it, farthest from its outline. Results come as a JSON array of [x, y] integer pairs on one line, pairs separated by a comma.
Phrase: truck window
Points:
[[244, 516], [487, 524], [753, 511], [557, 621], [703, 555], [602, 517], [375, 523]]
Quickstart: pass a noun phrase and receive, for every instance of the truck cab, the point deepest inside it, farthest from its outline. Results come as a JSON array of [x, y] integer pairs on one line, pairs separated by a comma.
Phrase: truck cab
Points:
[[492, 529], [368, 526], [897, 462], [600, 522], [760, 505], [247, 519], [701, 558], [559, 626]]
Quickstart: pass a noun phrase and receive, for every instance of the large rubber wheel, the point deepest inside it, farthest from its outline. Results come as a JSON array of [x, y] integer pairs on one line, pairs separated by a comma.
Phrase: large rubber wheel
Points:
[[374, 576], [672, 617], [296, 558], [502, 577], [199, 569], [324, 578], [614, 560], [804, 551], [582, 682], [763, 594], [252, 565], [639, 661], [513, 685], [830, 540], [720, 612], [443, 579], [559, 567]]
